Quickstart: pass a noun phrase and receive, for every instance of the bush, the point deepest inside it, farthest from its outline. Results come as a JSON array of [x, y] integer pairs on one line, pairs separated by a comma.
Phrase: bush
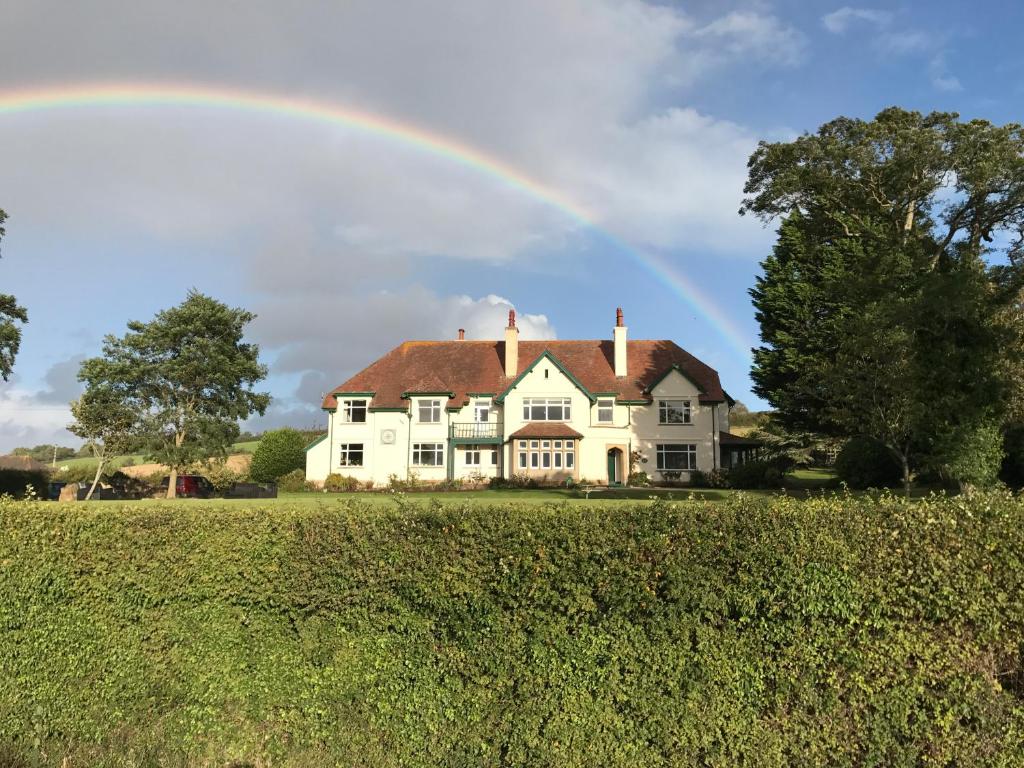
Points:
[[1013, 463], [335, 483], [279, 452], [716, 478], [15, 481], [761, 632], [865, 463], [515, 481], [639, 479], [292, 482], [220, 475], [756, 474]]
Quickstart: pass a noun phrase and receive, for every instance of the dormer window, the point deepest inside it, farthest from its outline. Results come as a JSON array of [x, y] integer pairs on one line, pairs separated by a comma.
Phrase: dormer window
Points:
[[353, 411], [429, 411], [605, 410], [482, 411]]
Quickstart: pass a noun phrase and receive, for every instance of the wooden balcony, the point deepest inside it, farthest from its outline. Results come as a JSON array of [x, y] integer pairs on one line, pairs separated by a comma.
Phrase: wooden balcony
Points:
[[472, 432]]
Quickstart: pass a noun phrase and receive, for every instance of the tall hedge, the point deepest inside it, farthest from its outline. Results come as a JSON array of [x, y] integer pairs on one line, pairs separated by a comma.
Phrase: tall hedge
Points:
[[756, 633], [15, 481], [278, 453]]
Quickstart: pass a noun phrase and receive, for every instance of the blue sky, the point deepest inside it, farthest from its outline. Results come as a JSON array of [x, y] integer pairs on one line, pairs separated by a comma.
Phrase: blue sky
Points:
[[345, 244]]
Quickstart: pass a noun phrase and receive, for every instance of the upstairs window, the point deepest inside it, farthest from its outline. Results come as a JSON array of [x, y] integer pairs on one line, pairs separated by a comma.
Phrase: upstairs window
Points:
[[429, 411], [353, 411], [605, 410], [482, 412], [674, 412], [351, 455], [547, 409]]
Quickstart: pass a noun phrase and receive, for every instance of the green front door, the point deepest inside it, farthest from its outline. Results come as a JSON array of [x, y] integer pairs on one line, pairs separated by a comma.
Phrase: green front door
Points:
[[612, 477]]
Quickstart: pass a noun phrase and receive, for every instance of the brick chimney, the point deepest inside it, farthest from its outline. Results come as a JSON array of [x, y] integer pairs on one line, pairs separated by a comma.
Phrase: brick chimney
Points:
[[620, 344], [462, 334], [511, 346]]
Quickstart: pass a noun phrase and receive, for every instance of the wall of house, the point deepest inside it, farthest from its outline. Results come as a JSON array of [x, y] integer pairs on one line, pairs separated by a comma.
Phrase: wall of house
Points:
[[634, 428], [702, 431]]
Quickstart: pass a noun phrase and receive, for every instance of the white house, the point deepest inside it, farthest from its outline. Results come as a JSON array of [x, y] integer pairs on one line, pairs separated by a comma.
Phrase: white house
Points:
[[550, 410]]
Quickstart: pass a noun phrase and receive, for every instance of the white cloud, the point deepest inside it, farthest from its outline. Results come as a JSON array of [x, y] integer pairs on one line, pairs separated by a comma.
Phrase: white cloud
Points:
[[839, 21], [27, 420], [746, 34]]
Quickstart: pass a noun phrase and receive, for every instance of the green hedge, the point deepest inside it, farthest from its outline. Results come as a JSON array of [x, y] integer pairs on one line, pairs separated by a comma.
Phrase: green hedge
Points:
[[753, 632], [15, 481]]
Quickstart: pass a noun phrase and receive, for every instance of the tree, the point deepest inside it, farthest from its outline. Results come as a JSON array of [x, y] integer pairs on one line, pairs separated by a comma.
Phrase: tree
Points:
[[107, 422], [11, 314], [188, 375], [881, 313], [279, 452]]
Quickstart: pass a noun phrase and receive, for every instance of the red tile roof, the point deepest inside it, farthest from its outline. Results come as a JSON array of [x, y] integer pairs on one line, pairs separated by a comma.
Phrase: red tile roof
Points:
[[464, 367], [546, 429]]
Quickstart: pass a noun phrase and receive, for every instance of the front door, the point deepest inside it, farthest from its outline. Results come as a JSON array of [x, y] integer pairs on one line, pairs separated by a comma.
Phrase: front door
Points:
[[613, 467]]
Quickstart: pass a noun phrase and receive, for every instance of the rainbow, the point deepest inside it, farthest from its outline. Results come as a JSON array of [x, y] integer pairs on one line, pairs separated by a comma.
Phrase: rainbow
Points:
[[14, 102]]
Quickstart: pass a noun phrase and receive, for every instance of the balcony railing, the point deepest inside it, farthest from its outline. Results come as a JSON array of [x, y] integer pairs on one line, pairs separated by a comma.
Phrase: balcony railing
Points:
[[473, 431]]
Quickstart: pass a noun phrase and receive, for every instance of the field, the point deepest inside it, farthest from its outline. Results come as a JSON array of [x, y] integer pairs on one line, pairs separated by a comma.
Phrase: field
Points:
[[332, 631], [138, 458]]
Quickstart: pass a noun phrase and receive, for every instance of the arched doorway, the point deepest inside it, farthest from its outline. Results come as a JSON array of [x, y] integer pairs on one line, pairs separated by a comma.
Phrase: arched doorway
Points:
[[614, 466]]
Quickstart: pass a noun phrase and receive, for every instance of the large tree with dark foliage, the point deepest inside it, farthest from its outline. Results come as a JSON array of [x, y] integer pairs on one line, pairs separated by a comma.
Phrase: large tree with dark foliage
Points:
[[887, 305], [189, 376], [11, 316]]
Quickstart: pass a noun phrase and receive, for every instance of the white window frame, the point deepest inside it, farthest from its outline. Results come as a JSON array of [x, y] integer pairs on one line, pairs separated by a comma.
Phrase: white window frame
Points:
[[687, 450], [432, 405], [349, 406], [546, 404], [606, 408], [345, 451], [472, 455], [422, 450], [483, 406], [666, 409]]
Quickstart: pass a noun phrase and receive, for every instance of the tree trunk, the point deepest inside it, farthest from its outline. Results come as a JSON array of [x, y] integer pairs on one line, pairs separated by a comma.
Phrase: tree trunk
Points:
[[172, 484], [906, 474], [96, 480]]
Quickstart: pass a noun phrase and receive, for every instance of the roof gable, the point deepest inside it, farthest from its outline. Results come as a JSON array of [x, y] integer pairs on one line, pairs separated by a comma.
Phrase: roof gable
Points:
[[545, 355]]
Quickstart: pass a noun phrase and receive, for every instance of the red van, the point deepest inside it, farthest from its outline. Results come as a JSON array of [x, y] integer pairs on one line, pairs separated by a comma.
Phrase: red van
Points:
[[191, 487]]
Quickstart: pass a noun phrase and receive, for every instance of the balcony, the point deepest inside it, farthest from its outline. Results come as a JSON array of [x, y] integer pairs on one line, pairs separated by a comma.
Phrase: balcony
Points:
[[473, 432]]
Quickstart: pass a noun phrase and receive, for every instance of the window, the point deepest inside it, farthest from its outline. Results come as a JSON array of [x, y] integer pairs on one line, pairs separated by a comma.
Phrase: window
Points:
[[353, 411], [482, 412], [673, 411], [522, 459], [430, 411], [351, 455], [547, 409], [569, 455], [545, 459], [673, 457], [474, 454], [605, 410], [428, 454]]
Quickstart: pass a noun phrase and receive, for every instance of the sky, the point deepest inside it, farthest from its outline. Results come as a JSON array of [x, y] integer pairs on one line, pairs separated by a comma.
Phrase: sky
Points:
[[622, 130]]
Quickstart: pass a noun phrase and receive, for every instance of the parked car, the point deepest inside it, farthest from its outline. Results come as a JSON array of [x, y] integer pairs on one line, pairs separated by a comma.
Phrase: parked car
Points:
[[190, 487]]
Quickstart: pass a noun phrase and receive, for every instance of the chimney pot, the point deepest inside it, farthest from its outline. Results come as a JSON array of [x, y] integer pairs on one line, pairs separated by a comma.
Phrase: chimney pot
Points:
[[511, 318], [618, 317], [462, 334]]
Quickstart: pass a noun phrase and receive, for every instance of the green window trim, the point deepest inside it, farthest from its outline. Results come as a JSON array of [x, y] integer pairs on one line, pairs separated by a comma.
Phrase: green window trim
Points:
[[668, 372], [558, 364], [317, 442]]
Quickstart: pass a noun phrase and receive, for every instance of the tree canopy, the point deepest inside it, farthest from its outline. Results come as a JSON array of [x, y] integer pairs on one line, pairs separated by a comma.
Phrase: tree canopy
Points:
[[189, 376], [11, 315], [890, 305]]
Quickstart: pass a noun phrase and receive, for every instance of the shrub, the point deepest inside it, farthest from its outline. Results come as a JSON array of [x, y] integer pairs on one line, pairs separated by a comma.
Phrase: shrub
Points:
[[716, 478], [515, 481], [1013, 463], [220, 475], [639, 479], [756, 474], [15, 481], [279, 452], [79, 473], [292, 482], [865, 463], [767, 632], [335, 483]]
